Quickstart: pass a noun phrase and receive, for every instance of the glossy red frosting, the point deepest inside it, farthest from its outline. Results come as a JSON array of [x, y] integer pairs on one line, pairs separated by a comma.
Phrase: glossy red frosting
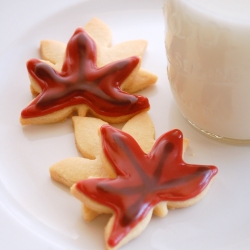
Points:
[[143, 180], [81, 82]]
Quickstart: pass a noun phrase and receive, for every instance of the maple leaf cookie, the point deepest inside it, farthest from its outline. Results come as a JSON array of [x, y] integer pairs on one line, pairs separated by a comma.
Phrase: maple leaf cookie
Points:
[[87, 76], [145, 183], [138, 175]]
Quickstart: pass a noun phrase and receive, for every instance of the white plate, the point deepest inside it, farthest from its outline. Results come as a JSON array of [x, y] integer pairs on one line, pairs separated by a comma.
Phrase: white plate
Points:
[[34, 203]]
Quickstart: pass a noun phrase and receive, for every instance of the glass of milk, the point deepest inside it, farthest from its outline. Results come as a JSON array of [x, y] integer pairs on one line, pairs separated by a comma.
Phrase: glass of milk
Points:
[[208, 51]]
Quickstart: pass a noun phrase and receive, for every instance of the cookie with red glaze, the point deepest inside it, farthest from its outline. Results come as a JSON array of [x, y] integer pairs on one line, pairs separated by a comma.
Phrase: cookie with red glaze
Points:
[[87, 77], [142, 184], [129, 174]]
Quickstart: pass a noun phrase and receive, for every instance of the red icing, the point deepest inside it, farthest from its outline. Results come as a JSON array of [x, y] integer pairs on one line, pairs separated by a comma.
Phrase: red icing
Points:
[[81, 82], [143, 180]]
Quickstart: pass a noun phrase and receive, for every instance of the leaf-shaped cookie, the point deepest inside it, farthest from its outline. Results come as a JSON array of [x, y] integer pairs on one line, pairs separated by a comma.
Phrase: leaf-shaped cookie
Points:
[[82, 87], [142, 183]]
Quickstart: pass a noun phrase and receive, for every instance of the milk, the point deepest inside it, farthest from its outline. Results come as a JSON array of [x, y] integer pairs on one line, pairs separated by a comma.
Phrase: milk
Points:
[[208, 50]]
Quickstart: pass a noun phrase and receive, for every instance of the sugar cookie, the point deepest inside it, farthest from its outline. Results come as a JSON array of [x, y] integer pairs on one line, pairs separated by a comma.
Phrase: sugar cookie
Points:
[[144, 183], [130, 161], [87, 76]]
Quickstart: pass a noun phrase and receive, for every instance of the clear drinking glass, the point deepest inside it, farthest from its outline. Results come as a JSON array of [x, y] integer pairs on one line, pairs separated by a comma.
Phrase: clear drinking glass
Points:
[[208, 51]]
